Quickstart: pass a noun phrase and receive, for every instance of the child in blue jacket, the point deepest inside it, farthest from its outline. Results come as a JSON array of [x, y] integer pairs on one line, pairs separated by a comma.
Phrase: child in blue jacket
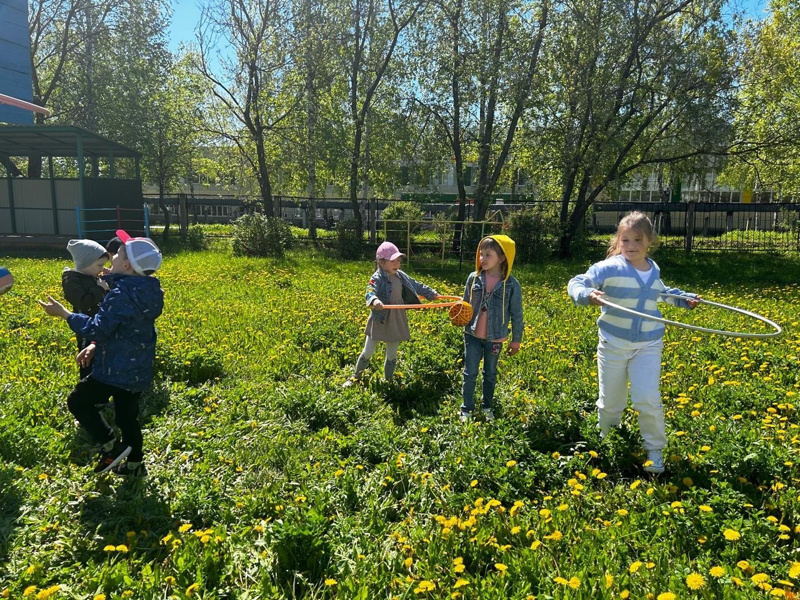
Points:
[[496, 299], [122, 353]]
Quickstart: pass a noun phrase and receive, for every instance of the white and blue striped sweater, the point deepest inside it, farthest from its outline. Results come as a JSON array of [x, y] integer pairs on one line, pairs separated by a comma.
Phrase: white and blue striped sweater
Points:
[[621, 284]]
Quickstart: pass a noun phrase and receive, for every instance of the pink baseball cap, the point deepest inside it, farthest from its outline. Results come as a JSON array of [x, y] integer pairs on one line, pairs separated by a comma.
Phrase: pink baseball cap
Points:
[[388, 251]]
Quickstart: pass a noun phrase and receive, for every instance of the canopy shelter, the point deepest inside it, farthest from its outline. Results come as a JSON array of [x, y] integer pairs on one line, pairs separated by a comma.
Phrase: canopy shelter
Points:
[[86, 205]]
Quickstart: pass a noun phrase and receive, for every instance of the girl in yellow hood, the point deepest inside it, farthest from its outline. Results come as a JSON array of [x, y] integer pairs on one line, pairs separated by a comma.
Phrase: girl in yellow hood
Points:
[[496, 300]]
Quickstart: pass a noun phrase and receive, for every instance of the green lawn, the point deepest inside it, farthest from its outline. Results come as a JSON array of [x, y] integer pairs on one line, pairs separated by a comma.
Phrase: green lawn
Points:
[[268, 480]]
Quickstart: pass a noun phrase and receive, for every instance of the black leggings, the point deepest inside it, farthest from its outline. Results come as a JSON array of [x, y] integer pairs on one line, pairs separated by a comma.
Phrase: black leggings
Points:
[[81, 403]]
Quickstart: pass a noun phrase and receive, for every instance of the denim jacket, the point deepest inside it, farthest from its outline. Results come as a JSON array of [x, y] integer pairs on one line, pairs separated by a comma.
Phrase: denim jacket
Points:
[[124, 331], [504, 303], [380, 287]]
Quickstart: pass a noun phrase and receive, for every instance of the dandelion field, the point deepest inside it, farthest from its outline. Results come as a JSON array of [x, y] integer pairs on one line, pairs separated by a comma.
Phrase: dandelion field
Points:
[[268, 480]]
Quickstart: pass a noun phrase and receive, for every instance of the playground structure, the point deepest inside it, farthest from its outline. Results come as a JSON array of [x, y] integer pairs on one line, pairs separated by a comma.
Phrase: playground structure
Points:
[[85, 205]]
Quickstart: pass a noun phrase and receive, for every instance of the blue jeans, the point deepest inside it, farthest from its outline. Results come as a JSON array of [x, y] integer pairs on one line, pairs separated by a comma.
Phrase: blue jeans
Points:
[[475, 350]]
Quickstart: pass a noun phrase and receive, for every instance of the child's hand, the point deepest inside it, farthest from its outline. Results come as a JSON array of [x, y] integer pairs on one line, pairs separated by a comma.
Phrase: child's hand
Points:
[[86, 355], [692, 302], [376, 304], [594, 297], [513, 348], [103, 284], [54, 308]]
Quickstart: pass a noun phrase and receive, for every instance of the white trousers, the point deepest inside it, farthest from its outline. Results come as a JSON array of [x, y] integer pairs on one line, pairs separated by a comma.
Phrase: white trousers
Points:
[[371, 345], [642, 367]]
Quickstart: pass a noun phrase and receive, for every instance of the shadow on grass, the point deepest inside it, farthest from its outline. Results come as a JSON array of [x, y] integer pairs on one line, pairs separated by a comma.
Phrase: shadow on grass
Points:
[[10, 503]]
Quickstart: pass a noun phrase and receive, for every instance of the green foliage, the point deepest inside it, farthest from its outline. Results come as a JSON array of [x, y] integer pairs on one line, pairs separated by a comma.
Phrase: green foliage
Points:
[[535, 233], [257, 235], [275, 482], [196, 238], [402, 211], [348, 243]]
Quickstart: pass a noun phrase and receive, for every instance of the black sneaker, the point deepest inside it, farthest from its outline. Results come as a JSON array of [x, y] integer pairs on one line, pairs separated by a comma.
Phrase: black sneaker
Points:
[[109, 460], [123, 470]]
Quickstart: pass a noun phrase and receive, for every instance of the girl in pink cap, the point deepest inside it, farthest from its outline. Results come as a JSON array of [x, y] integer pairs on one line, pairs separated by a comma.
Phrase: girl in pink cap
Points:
[[388, 285]]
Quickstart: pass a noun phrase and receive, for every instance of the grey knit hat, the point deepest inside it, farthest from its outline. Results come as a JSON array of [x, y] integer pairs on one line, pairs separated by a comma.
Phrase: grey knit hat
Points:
[[85, 252]]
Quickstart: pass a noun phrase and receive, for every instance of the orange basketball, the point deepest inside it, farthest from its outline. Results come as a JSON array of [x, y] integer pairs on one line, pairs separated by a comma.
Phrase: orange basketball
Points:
[[460, 314]]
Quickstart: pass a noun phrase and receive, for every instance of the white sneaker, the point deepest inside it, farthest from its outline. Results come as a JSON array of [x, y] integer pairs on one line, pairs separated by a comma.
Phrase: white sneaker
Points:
[[351, 382], [655, 462], [464, 416], [488, 414]]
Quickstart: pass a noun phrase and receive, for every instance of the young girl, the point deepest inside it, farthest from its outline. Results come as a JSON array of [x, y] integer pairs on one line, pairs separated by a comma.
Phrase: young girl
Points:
[[496, 299], [388, 285], [630, 347]]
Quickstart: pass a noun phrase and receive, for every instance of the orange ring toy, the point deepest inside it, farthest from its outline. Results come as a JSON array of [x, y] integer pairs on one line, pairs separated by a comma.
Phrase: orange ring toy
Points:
[[460, 311]]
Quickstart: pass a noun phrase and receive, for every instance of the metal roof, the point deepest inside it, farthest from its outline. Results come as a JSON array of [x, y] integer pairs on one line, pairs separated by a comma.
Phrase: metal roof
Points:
[[59, 140]]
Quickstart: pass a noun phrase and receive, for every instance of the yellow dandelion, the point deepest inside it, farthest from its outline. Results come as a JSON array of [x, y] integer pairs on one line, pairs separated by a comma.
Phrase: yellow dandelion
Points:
[[185, 527], [110, 548], [794, 570], [666, 596], [731, 535], [100, 597], [330, 582], [561, 581], [609, 580], [511, 463], [759, 578], [635, 566], [716, 572], [460, 583], [122, 548], [30, 590], [555, 536], [424, 587], [192, 589], [705, 508], [500, 567], [743, 565], [574, 583], [695, 581]]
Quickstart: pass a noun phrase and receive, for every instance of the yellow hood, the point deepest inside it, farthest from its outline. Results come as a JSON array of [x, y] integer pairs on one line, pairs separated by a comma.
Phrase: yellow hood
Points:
[[509, 249]]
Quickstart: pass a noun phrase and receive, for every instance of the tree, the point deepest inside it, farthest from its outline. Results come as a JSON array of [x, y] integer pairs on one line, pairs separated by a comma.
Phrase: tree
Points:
[[372, 37], [768, 123], [631, 85], [484, 68], [254, 91]]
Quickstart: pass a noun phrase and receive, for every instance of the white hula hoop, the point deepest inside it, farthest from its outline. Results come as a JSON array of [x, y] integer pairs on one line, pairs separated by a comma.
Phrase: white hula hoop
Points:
[[741, 311]]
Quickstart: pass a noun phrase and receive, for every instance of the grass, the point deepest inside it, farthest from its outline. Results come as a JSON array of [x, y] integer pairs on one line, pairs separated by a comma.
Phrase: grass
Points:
[[268, 480]]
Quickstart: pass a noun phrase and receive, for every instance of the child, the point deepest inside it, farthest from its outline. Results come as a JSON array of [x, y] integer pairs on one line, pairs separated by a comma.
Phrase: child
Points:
[[630, 347], [125, 339], [388, 285], [82, 288], [496, 298]]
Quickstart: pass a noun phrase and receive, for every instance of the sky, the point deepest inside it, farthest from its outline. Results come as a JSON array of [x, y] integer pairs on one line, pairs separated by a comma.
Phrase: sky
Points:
[[187, 14]]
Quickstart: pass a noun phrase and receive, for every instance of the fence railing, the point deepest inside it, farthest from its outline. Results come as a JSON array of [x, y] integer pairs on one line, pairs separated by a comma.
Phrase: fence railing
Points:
[[102, 223]]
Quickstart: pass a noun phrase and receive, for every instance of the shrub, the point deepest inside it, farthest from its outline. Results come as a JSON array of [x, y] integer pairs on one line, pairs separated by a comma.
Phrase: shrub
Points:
[[257, 235], [195, 367], [347, 241], [402, 211], [196, 238], [535, 233]]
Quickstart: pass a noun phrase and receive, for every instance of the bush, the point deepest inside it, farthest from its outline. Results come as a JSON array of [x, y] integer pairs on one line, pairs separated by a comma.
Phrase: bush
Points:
[[196, 238], [195, 367], [257, 235], [402, 211], [535, 233], [347, 241]]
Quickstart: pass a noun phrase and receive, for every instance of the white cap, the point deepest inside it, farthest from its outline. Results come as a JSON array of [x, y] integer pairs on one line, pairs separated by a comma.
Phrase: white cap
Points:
[[142, 252]]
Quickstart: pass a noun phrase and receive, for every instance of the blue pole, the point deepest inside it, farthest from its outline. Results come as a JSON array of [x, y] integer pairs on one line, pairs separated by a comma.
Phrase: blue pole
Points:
[[78, 220], [146, 221]]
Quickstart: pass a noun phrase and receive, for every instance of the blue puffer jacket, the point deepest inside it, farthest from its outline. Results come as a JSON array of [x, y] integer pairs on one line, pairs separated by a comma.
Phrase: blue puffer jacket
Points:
[[124, 331]]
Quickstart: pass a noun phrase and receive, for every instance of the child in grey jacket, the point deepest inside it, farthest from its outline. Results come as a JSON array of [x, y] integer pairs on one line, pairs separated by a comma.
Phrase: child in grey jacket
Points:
[[388, 285]]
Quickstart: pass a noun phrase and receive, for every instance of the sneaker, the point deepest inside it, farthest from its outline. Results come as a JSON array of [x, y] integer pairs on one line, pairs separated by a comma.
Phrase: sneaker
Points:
[[488, 414], [351, 382], [464, 415], [124, 470], [655, 462], [109, 460]]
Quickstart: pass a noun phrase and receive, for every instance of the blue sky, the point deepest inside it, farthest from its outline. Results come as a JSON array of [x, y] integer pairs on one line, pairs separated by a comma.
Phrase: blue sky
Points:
[[187, 14]]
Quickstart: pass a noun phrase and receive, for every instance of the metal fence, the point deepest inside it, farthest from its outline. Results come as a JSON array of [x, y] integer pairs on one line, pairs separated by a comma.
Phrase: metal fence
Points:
[[710, 226]]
